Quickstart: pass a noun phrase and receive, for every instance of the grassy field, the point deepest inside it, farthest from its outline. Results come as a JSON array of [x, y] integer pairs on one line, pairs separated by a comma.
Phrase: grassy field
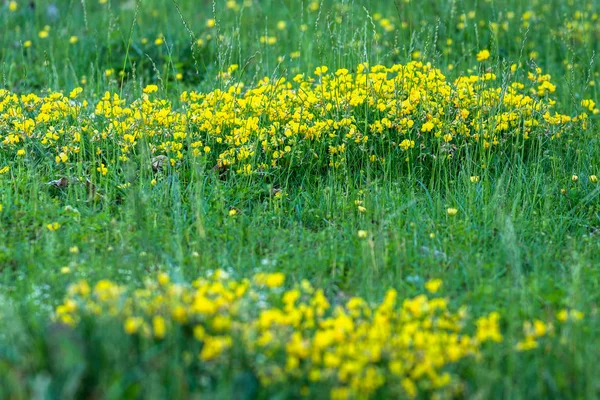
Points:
[[259, 199]]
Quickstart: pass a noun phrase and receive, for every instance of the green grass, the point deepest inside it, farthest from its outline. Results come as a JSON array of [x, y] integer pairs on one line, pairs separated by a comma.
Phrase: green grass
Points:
[[524, 241]]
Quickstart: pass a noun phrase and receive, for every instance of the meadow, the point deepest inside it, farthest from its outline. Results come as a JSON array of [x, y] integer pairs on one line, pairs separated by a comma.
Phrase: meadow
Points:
[[258, 199]]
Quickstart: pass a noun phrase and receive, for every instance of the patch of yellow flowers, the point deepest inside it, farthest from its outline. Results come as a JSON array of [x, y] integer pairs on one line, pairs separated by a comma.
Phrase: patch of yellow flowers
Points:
[[354, 348], [328, 120], [537, 330]]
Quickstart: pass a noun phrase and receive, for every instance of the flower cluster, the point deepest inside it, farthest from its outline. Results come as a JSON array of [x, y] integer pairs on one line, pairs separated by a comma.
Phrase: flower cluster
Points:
[[534, 331], [296, 336], [409, 113]]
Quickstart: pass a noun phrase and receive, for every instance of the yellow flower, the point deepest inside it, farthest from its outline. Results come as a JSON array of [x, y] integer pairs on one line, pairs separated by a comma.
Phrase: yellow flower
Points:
[[75, 92], [43, 34], [54, 226], [410, 388], [73, 39], [163, 278], [451, 211], [427, 126], [483, 55], [574, 315], [132, 325], [150, 89], [27, 44], [210, 23], [322, 70], [12, 6], [488, 328], [102, 169], [407, 144], [199, 332], [62, 157], [539, 328], [362, 234], [589, 104], [528, 344], [433, 285], [159, 326], [340, 393], [232, 212], [273, 280], [214, 346], [574, 178], [593, 179]]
